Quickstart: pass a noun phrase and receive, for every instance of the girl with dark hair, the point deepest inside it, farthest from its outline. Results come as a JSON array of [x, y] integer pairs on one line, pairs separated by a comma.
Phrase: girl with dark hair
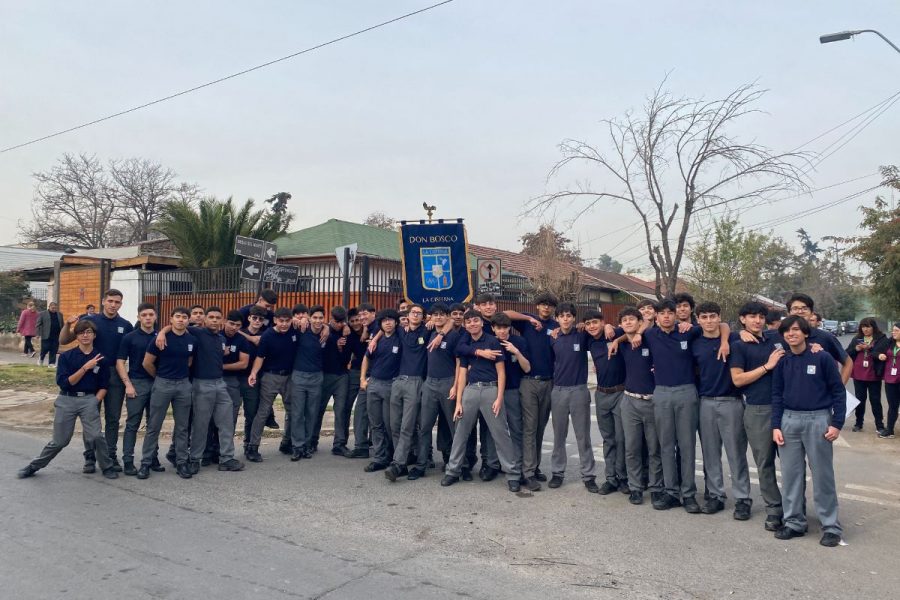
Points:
[[891, 360], [868, 370]]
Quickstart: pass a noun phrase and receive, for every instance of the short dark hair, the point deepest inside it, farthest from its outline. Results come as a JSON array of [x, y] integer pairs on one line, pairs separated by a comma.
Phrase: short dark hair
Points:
[[84, 325], [257, 311], [217, 309], [89, 307], [193, 306], [484, 298], [413, 305], [790, 321], [141, 307], [283, 313], [773, 316], [367, 306], [593, 313], [180, 310], [299, 308], [630, 311], [471, 314], [352, 312], [269, 295], [801, 298], [753, 308], [113, 292], [339, 314], [646, 302], [818, 316], [387, 313], [501, 320], [666, 304], [685, 297], [546, 298], [317, 308], [566, 307], [234, 315], [707, 307], [439, 307], [401, 301], [457, 306]]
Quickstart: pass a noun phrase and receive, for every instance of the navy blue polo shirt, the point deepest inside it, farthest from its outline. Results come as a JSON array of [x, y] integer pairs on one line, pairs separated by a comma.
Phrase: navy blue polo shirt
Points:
[[807, 382], [109, 335], [268, 320], [464, 347], [828, 342], [610, 371], [357, 350], [210, 353], [570, 351], [334, 358], [309, 356], [133, 347], [514, 372], [250, 349], [374, 327], [715, 374], [414, 355], [482, 370], [674, 363], [752, 356], [384, 362], [638, 367], [541, 356], [70, 362], [277, 349], [442, 360], [235, 344], [172, 362]]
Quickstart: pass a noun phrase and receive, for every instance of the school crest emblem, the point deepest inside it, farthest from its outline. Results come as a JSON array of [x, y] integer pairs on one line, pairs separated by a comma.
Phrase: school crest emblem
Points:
[[437, 273]]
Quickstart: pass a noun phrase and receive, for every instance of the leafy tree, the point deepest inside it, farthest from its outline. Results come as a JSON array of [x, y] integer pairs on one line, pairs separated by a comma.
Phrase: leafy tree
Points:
[[607, 263], [548, 242], [13, 294]]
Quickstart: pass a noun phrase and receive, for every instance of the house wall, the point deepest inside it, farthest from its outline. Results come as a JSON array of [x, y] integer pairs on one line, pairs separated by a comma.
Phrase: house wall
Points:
[[127, 281], [79, 286]]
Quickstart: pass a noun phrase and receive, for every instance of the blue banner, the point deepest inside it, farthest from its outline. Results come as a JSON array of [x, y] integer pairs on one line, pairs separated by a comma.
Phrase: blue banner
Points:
[[434, 263]]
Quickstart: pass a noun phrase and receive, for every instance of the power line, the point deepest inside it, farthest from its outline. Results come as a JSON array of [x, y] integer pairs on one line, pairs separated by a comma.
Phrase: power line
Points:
[[226, 78]]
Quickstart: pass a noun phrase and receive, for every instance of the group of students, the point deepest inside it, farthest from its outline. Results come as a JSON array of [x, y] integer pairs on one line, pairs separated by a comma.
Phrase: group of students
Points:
[[666, 372]]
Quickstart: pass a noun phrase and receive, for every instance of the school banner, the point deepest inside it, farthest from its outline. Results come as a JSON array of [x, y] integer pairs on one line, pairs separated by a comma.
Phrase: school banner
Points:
[[434, 263]]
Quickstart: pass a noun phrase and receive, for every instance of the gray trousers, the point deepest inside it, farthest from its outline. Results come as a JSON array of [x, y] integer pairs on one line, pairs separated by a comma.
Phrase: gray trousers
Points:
[[250, 397], [758, 427], [337, 387], [677, 413], [212, 403], [639, 426], [406, 395], [722, 423], [434, 402], [358, 397], [378, 400], [609, 422], [804, 440], [572, 402], [477, 399], [512, 402], [233, 387], [306, 397], [65, 410], [535, 398], [177, 393], [136, 408], [270, 386], [112, 413]]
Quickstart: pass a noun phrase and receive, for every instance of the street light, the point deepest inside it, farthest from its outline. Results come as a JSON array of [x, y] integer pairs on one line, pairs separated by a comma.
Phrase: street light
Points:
[[846, 35]]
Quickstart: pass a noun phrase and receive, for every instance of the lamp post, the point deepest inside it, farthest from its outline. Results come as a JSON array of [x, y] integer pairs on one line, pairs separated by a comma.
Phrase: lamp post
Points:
[[846, 35]]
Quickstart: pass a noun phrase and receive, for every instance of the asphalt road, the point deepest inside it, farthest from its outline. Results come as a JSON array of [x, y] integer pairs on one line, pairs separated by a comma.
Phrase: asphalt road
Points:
[[323, 528]]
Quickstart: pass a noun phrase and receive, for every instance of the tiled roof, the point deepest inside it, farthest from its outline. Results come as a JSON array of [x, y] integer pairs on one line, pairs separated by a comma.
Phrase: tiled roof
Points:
[[324, 238], [14, 259]]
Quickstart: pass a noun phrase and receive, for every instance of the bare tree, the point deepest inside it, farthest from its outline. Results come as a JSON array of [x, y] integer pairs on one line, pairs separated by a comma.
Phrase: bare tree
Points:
[[380, 220], [555, 267], [672, 162]]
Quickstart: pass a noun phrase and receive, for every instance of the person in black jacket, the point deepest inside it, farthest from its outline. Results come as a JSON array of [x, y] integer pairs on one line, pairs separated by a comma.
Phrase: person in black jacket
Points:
[[868, 371]]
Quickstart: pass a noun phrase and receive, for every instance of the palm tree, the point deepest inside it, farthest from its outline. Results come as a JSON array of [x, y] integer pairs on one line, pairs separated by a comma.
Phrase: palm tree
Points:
[[204, 236]]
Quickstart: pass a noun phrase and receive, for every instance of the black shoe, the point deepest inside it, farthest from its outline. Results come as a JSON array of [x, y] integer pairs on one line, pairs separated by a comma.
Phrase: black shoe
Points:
[[448, 480], [667, 501], [114, 464], [231, 464], [539, 476], [252, 454], [206, 461], [555, 482], [487, 473], [271, 423], [415, 473], [712, 506], [357, 453], [786, 533], [297, 454], [28, 471], [855, 428], [392, 472], [111, 473], [830, 540], [607, 488], [184, 471], [308, 452], [89, 467], [172, 458], [623, 487], [591, 486], [194, 467], [143, 472], [128, 468], [636, 497], [773, 523], [155, 466], [742, 510], [886, 434], [532, 484], [285, 448], [374, 466], [514, 485], [339, 450], [466, 474], [656, 496], [691, 506]]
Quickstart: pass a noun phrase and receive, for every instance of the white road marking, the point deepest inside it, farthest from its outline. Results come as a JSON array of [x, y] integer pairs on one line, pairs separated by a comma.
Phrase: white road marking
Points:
[[874, 490]]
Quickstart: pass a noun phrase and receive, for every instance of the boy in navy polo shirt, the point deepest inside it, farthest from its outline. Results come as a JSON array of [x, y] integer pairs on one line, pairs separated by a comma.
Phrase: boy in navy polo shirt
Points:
[[235, 364], [721, 418], [515, 357], [266, 301], [306, 384], [171, 368], [272, 367], [250, 393], [808, 410], [359, 322], [479, 390], [82, 377], [684, 308], [336, 381], [570, 399], [138, 383], [380, 367], [610, 372]]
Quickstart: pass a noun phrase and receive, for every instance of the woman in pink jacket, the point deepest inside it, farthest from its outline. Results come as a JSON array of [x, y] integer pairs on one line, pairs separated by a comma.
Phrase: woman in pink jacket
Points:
[[28, 327]]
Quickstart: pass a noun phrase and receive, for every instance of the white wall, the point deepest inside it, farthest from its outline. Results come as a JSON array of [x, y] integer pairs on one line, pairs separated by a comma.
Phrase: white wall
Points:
[[129, 283]]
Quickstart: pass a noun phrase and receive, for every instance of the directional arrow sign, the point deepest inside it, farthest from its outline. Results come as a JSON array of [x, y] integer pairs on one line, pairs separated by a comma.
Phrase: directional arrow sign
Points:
[[251, 269], [250, 248], [282, 273], [270, 252]]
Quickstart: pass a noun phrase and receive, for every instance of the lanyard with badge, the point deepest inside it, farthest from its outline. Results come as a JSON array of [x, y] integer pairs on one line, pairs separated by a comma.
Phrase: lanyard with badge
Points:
[[894, 352], [866, 353]]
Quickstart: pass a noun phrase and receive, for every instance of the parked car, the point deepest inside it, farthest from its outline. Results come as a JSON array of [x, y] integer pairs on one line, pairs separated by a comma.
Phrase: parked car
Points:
[[830, 326], [849, 327]]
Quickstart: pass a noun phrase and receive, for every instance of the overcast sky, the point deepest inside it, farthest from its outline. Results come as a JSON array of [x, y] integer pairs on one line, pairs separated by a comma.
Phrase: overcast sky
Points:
[[462, 106]]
